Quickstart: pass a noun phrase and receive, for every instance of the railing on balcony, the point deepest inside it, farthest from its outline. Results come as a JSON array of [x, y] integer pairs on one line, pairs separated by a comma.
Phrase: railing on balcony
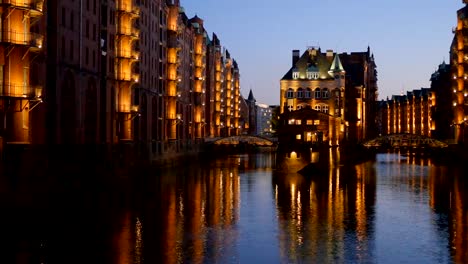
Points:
[[128, 31], [128, 8], [127, 76], [128, 108], [35, 5], [127, 53], [22, 38], [20, 90], [173, 28]]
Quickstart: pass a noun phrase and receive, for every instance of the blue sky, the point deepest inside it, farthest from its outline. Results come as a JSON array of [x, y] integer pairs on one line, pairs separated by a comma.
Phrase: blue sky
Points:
[[409, 38]]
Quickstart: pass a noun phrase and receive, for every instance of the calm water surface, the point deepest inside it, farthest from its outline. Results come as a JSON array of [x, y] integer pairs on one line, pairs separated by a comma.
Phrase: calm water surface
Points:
[[237, 209]]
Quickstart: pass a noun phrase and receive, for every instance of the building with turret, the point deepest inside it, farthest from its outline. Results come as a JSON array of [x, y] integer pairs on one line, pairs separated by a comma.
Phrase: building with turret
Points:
[[340, 89]]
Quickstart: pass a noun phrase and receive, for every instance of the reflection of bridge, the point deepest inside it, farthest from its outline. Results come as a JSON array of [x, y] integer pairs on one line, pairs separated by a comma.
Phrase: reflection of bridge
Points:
[[244, 139], [404, 141]]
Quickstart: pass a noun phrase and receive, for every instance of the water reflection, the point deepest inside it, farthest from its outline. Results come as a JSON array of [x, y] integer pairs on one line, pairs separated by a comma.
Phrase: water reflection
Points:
[[326, 218], [239, 209], [449, 199], [193, 213]]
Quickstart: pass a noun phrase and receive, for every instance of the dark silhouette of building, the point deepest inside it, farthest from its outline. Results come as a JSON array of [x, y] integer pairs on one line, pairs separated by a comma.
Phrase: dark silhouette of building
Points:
[[252, 105], [442, 113]]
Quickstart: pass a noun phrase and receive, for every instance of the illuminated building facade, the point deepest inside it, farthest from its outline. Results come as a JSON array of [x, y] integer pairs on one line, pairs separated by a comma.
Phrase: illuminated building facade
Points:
[[458, 60], [126, 72], [341, 86], [21, 85], [410, 113], [222, 98]]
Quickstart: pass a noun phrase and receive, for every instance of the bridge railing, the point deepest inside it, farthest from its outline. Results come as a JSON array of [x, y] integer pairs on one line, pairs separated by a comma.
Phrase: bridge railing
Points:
[[404, 140]]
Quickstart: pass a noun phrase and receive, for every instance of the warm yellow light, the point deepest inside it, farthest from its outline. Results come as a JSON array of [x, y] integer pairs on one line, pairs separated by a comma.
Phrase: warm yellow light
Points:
[[293, 155]]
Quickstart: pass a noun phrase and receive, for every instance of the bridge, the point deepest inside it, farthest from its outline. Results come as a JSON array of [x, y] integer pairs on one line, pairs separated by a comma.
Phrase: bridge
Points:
[[404, 141], [244, 139]]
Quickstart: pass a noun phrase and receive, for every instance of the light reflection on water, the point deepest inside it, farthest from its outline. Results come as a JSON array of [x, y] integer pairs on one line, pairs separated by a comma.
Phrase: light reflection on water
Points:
[[244, 209]]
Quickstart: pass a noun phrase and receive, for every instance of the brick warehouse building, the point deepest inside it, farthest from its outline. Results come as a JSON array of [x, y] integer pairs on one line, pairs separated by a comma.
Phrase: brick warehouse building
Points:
[[340, 86], [110, 72]]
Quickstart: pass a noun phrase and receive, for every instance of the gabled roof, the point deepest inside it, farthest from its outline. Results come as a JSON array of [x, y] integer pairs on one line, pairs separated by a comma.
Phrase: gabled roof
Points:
[[336, 65], [311, 60]]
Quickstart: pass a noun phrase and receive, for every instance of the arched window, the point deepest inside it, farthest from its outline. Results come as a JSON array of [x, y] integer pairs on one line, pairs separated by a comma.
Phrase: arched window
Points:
[[317, 93], [290, 93], [324, 93], [308, 93], [300, 93], [318, 108]]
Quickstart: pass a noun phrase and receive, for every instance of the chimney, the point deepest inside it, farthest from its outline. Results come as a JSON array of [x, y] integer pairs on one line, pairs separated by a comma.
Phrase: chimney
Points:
[[295, 57], [329, 53]]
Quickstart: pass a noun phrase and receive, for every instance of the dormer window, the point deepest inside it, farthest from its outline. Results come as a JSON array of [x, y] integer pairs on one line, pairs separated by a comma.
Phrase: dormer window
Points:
[[312, 75], [312, 72], [295, 74]]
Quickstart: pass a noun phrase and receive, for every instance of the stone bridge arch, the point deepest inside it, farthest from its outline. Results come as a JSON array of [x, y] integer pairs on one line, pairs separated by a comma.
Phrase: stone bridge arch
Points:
[[244, 139]]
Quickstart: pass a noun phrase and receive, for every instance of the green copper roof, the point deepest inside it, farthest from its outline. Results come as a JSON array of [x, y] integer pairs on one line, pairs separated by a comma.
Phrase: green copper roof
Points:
[[336, 65]]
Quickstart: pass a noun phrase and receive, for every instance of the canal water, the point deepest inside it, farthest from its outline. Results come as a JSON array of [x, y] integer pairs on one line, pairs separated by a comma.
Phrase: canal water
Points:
[[250, 208]]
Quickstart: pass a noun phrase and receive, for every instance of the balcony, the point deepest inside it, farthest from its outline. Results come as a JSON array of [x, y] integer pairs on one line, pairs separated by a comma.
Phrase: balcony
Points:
[[128, 8], [20, 90], [128, 108], [35, 6], [127, 76], [30, 39], [128, 31], [127, 54]]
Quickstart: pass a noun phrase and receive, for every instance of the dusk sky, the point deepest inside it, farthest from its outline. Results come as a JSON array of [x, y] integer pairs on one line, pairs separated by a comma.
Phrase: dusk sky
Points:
[[409, 38]]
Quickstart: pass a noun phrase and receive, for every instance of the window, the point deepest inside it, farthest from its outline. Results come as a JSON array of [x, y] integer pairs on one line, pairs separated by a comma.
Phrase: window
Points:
[[86, 56], [316, 122], [298, 122], [94, 32], [298, 137], [87, 29], [309, 122], [317, 93], [72, 20], [318, 108], [62, 52], [312, 75], [290, 93], [64, 16], [325, 93], [325, 109], [308, 93], [71, 50], [295, 74], [291, 121], [300, 93]]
